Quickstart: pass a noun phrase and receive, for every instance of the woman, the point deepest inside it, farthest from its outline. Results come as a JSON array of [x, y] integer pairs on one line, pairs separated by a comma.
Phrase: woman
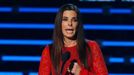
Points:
[[68, 36]]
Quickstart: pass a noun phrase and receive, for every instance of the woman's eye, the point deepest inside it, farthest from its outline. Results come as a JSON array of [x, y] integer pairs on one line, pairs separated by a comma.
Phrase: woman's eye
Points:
[[75, 20], [64, 19]]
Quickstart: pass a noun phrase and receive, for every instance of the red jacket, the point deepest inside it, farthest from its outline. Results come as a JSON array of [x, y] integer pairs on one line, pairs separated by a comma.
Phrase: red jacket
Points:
[[98, 66]]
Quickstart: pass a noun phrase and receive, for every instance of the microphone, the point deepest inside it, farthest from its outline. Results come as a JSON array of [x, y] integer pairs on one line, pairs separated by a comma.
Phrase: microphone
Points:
[[71, 67], [65, 57], [72, 64]]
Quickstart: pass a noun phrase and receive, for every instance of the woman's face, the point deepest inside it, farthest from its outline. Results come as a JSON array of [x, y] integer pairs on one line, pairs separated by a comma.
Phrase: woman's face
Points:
[[69, 23]]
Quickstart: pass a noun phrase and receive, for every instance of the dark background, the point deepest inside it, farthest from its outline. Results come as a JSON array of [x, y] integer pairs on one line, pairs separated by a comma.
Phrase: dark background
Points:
[[121, 53]]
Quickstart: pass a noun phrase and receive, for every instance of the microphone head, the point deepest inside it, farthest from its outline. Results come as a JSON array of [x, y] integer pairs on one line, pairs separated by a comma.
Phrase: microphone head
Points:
[[65, 56], [72, 64]]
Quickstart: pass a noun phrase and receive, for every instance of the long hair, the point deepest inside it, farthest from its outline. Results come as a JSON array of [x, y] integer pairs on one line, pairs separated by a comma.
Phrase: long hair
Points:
[[58, 44]]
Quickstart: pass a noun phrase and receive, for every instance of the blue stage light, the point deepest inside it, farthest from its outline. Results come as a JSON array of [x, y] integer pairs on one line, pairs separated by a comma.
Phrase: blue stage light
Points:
[[54, 10], [21, 58], [11, 73], [118, 43], [120, 11], [131, 60], [33, 73], [24, 42], [108, 27], [51, 26], [6, 9], [120, 74], [37, 10], [116, 60], [26, 26], [82, 10]]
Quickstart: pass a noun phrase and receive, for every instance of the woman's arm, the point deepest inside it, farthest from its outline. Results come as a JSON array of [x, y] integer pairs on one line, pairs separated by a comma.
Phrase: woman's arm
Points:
[[99, 66], [45, 66]]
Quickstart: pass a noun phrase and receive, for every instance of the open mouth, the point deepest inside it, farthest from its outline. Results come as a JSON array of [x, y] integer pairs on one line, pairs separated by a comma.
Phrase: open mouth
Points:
[[69, 30]]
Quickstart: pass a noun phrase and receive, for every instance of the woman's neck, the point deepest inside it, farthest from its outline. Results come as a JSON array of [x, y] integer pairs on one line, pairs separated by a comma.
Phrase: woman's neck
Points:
[[69, 42]]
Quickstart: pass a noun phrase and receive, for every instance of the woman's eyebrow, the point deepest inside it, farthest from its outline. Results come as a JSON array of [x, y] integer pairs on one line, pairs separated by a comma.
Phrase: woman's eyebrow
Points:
[[71, 17], [65, 17], [74, 17]]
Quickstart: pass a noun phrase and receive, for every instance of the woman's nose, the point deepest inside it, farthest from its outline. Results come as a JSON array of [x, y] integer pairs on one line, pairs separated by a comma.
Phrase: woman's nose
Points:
[[70, 23]]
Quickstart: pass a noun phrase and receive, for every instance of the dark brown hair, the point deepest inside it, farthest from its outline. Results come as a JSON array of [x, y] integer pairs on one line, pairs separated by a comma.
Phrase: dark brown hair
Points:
[[58, 44]]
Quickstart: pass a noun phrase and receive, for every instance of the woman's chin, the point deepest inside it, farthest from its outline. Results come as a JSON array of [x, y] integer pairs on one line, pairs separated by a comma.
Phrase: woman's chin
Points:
[[70, 36]]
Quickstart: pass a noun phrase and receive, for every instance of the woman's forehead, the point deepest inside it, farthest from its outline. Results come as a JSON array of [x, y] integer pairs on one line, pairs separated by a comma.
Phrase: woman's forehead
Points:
[[69, 13]]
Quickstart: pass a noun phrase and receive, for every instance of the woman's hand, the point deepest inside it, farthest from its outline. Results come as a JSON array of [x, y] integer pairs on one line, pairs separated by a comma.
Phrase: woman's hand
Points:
[[76, 69]]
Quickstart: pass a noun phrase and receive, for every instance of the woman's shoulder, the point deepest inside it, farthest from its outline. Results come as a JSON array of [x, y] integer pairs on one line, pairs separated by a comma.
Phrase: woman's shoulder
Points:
[[47, 47], [46, 50], [91, 42], [94, 46]]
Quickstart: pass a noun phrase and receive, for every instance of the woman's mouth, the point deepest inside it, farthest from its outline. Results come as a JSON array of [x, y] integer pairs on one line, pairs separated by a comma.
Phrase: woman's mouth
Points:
[[69, 31]]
